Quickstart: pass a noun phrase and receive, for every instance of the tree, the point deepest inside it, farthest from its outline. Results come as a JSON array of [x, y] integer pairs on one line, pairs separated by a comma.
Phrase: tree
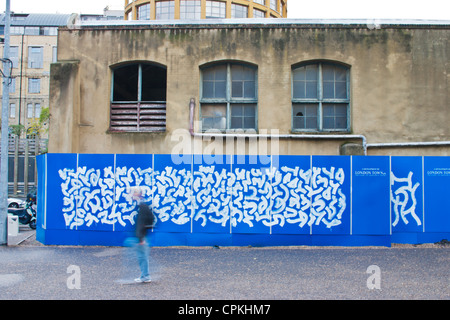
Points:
[[17, 129]]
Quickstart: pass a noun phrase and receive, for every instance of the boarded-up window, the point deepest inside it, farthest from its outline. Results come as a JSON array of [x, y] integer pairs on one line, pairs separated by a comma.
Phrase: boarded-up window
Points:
[[139, 98]]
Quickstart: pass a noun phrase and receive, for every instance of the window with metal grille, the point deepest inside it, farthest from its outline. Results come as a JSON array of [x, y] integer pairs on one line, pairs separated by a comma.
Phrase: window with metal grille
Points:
[[138, 98], [229, 97], [321, 97]]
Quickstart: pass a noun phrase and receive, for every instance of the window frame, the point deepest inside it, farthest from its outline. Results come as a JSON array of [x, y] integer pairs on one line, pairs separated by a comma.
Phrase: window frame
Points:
[[320, 100], [143, 11], [35, 59], [229, 101], [165, 10], [190, 9], [150, 115], [214, 4], [34, 85]]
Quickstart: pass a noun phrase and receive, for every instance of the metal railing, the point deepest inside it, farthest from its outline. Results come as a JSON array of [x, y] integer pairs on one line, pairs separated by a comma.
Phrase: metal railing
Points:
[[22, 167]]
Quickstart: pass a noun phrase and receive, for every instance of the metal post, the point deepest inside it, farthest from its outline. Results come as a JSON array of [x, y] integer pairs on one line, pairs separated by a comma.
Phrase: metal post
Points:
[[4, 137]]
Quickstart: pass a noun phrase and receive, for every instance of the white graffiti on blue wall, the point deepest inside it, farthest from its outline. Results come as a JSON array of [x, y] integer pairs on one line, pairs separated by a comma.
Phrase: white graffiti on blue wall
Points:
[[206, 196], [403, 197]]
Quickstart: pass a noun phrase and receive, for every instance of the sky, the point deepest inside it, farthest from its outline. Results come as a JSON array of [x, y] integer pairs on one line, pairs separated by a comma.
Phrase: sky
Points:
[[306, 9]]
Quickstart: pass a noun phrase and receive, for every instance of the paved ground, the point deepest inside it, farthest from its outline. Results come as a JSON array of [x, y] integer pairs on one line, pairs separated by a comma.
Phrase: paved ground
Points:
[[33, 271]]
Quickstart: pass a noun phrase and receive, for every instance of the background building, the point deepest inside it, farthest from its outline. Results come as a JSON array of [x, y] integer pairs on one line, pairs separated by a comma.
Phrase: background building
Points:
[[204, 9], [33, 49], [34, 46]]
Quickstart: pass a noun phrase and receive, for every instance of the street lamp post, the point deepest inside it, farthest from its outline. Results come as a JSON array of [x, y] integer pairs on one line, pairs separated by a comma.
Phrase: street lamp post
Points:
[[7, 65]]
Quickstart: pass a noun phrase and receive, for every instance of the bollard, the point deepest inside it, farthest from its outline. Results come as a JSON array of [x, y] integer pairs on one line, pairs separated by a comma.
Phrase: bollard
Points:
[[13, 225]]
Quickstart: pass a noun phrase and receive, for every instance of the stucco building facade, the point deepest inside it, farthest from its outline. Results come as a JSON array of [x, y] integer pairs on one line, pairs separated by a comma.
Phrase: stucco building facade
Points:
[[310, 87]]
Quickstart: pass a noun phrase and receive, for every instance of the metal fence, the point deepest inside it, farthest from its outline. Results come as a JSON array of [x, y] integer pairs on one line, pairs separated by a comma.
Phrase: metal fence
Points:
[[22, 172]]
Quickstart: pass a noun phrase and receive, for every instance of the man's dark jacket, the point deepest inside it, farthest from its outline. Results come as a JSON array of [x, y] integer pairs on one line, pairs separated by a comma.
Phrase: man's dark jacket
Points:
[[145, 220]]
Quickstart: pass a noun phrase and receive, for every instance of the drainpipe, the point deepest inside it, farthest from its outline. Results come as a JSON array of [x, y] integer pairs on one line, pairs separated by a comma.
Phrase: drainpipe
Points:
[[408, 144], [281, 136]]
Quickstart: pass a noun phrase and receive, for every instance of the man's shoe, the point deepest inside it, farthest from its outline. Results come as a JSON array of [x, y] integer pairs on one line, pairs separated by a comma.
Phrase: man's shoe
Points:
[[139, 280]]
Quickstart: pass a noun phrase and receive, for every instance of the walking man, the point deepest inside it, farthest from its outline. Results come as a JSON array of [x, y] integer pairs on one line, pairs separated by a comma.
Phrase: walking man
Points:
[[145, 221]]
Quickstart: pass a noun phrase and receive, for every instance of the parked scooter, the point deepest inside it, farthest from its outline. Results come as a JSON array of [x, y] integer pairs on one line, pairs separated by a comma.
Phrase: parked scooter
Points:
[[27, 214]]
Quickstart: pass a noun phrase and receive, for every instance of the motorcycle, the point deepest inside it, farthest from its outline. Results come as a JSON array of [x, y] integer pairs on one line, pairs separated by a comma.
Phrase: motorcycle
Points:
[[27, 214]]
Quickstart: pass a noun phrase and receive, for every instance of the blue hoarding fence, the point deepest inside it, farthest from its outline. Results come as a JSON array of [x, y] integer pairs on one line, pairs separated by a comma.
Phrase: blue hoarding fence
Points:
[[83, 199]]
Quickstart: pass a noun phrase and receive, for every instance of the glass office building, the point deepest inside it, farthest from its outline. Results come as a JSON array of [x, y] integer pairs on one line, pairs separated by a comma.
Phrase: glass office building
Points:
[[204, 9]]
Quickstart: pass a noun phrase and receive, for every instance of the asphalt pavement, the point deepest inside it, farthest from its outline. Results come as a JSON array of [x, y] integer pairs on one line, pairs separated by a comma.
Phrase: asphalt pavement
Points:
[[32, 271]]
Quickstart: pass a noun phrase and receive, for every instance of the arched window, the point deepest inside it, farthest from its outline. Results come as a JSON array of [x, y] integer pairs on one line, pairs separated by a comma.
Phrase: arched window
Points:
[[321, 97], [229, 96], [138, 98]]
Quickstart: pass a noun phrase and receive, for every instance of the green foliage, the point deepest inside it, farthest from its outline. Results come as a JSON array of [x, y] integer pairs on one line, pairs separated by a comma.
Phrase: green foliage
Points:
[[17, 129]]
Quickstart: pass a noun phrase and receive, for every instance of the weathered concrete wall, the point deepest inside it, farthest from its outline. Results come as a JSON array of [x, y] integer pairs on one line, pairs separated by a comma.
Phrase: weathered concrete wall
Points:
[[398, 77], [65, 106]]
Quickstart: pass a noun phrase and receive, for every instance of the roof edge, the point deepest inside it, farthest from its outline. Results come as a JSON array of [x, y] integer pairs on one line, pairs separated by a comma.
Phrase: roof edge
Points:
[[263, 23]]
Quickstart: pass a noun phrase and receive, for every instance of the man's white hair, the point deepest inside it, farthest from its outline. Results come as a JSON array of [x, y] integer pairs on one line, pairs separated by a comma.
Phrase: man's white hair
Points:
[[136, 189]]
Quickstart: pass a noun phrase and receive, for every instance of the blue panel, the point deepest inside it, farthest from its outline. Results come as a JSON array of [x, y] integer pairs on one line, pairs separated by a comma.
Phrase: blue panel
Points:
[[212, 195], [330, 195], [437, 194], [370, 196], [131, 170], [209, 239], [406, 194], [166, 239], [292, 200], [41, 191], [172, 193], [351, 240], [95, 192], [251, 195], [62, 191], [291, 195]]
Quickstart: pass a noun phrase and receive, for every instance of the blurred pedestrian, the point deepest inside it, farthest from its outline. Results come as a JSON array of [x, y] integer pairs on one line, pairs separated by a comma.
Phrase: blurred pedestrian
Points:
[[144, 222]]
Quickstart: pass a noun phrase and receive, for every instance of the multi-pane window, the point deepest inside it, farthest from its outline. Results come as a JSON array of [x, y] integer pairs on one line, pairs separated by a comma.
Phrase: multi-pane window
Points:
[[12, 85], [14, 56], [30, 111], [165, 10], [12, 110], [215, 9], [239, 11], [143, 12], [35, 57], [258, 13], [273, 4], [321, 97], [17, 30], [229, 97], [190, 9], [34, 85], [33, 110], [54, 54], [138, 98], [260, 1], [37, 110]]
